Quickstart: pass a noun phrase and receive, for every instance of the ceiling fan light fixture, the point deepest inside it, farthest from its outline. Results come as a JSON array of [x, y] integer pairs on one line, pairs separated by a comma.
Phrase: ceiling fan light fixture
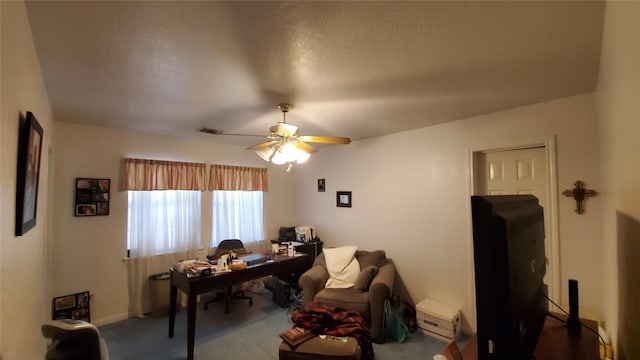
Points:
[[288, 153], [286, 146], [265, 153]]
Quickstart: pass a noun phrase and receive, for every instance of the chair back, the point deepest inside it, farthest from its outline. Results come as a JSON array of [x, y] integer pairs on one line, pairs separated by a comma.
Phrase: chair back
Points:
[[452, 351], [226, 246], [73, 339]]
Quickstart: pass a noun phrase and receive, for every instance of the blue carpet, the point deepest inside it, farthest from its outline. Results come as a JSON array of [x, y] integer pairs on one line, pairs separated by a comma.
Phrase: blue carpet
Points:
[[247, 332]]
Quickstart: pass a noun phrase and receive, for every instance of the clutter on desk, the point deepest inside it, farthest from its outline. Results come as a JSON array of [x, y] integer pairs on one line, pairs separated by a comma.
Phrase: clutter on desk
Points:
[[194, 268], [237, 264]]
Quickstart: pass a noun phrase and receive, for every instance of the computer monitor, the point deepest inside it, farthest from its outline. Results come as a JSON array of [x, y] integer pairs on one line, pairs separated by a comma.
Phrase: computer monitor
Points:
[[509, 256]]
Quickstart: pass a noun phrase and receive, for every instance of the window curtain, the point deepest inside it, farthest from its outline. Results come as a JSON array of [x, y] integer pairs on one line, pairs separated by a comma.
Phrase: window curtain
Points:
[[237, 196], [228, 177], [142, 174], [237, 215], [164, 226]]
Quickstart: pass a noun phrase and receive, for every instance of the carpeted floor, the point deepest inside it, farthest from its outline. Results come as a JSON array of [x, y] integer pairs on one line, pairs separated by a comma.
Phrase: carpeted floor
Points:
[[247, 332]]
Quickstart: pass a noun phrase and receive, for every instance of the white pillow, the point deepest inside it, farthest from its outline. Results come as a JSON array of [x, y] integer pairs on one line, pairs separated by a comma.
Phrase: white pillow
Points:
[[342, 266]]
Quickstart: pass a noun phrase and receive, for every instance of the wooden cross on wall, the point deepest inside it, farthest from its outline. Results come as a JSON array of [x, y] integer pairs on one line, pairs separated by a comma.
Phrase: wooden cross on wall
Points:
[[579, 194]]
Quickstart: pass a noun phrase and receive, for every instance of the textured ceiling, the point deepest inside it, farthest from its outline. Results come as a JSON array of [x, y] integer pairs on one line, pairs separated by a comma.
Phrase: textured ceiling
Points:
[[356, 69]]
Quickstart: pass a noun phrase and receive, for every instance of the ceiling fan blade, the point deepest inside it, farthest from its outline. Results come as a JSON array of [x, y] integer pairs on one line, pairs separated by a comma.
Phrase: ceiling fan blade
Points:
[[218, 132], [262, 144], [325, 139], [304, 147]]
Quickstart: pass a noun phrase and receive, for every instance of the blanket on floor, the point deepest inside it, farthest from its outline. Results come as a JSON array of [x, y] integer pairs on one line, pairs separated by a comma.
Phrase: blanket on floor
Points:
[[336, 321]]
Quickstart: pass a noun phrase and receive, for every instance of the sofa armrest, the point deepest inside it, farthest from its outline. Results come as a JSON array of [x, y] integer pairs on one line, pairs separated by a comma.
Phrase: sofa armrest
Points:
[[312, 281], [380, 290]]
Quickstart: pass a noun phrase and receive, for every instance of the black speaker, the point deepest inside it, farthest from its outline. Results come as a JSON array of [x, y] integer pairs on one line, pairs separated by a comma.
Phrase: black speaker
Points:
[[573, 323]]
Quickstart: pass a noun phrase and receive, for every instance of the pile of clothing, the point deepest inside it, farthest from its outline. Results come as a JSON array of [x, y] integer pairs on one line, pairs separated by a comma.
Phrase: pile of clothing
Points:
[[335, 321]]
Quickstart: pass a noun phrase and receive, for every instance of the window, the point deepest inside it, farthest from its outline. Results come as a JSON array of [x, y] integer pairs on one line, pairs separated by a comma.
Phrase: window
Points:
[[237, 215], [162, 222]]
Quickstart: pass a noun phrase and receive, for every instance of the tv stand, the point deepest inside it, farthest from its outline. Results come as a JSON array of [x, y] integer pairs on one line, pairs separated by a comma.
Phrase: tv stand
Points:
[[556, 342]]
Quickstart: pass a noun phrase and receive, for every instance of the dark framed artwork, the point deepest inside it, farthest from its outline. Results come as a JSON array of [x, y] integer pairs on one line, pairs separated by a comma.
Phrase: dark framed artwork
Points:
[[321, 183], [74, 306], [29, 152], [343, 199], [92, 197]]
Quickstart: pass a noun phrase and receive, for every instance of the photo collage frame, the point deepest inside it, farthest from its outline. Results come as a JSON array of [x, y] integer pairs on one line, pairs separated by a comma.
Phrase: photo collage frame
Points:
[[74, 307], [92, 197]]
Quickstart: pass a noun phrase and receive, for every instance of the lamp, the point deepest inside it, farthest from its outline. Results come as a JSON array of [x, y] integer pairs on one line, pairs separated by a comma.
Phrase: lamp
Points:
[[282, 152]]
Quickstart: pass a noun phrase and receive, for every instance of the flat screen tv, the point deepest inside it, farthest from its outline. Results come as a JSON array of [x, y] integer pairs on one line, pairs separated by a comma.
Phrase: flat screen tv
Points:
[[509, 261]]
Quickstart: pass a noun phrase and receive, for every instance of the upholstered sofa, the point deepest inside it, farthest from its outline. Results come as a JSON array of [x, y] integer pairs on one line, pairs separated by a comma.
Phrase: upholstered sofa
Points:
[[368, 300]]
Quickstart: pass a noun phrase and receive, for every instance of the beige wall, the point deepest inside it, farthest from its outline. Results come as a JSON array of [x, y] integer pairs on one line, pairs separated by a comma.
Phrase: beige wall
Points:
[[24, 298], [410, 194], [411, 197], [88, 251], [619, 125]]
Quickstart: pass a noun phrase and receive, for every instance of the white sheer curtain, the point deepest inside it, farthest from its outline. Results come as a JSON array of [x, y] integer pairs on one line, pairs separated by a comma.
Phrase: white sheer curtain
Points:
[[163, 222], [164, 227], [238, 215]]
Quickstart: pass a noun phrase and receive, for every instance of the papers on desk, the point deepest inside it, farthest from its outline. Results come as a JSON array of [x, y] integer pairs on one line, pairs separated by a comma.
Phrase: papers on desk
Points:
[[193, 267]]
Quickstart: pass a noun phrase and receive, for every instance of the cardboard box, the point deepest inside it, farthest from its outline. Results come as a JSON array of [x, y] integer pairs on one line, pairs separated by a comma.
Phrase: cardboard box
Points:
[[438, 319]]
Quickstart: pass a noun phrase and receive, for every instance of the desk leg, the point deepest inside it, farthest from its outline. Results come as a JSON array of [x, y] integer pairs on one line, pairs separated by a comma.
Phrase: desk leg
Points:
[[173, 294], [191, 325]]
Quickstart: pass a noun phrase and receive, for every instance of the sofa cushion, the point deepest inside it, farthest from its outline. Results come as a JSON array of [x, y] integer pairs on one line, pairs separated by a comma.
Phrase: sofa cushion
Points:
[[342, 266], [363, 281], [349, 299], [376, 258]]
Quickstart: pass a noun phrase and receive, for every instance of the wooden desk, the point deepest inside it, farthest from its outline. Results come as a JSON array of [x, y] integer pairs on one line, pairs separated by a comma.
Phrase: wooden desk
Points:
[[556, 342], [199, 285]]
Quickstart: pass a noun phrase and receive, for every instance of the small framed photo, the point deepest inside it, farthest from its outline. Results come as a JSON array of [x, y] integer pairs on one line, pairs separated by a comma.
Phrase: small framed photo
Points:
[[92, 197], [343, 199], [320, 185], [85, 210], [64, 302]]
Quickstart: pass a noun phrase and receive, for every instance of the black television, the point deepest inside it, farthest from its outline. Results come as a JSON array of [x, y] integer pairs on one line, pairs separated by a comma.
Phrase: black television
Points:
[[509, 262]]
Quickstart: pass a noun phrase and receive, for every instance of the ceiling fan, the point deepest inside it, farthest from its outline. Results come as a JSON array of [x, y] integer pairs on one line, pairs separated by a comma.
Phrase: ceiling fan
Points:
[[285, 146]]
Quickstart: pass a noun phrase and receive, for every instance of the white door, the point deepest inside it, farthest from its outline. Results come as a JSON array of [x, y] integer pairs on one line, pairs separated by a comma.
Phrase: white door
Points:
[[516, 172]]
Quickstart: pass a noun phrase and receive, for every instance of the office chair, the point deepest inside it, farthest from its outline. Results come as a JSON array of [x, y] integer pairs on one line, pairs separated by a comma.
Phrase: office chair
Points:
[[74, 339], [223, 248]]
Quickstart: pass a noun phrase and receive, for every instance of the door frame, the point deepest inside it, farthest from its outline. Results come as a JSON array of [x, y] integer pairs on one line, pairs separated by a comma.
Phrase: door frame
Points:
[[549, 143]]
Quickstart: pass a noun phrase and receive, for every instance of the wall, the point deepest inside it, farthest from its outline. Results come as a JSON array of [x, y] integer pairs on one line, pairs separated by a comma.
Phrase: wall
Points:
[[411, 197], [88, 251], [24, 298], [619, 129]]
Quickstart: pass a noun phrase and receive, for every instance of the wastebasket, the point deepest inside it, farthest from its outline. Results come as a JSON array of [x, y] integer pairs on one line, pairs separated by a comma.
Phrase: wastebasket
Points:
[[159, 289]]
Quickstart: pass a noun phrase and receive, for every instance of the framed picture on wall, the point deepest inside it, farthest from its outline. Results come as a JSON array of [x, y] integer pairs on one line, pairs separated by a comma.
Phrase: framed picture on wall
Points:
[[343, 198], [74, 306], [92, 196], [29, 152]]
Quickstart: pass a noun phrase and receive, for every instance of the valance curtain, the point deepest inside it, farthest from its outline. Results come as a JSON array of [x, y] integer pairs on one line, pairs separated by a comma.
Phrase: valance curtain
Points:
[[228, 177], [142, 174], [164, 226]]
